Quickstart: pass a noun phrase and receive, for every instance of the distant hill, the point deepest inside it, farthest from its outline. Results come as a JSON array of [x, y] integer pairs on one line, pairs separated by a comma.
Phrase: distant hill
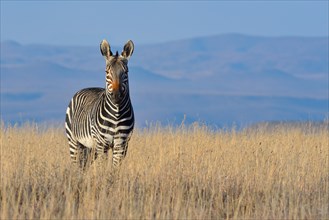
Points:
[[220, 79]]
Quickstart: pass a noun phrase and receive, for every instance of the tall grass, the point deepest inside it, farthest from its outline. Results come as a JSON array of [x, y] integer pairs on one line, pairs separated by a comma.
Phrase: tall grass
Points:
[[190, 172]]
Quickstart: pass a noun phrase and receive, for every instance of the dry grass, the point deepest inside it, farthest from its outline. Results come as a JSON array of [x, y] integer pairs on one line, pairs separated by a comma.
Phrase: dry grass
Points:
[[184, 173]]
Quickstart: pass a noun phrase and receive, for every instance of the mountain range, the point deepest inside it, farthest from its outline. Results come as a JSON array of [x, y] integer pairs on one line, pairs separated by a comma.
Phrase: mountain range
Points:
[[219, 80]]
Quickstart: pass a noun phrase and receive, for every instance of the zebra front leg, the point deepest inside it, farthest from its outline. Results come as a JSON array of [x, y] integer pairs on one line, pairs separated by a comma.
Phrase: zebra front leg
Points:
[[85, 155], [119, 151], [100, 151]]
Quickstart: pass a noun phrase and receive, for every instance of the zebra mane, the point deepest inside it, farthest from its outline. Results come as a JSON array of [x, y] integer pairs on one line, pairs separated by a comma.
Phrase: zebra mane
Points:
[[117, 61]]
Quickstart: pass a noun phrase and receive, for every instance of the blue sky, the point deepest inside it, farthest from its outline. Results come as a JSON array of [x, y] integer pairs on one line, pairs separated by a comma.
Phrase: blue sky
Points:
[[145, 22]]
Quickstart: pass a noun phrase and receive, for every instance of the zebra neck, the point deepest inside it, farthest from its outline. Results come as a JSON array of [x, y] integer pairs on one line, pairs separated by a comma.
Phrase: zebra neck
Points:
[[124, 104]]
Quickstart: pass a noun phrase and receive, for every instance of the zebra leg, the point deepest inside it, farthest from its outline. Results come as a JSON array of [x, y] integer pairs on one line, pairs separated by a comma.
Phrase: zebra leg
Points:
[[78, 152], [85, 155], [73, 143], [119, 151], [74, 149], [100, 150]]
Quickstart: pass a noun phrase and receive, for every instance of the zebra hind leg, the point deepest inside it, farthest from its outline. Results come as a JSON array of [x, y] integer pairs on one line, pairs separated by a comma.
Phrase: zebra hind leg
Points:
[[74, 149]]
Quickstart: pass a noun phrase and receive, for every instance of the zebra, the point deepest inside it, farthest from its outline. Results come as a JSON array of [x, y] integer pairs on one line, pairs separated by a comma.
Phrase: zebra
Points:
[[98, 119]]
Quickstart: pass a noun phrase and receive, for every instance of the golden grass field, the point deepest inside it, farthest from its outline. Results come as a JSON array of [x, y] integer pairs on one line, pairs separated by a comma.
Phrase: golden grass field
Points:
[[189, 172]]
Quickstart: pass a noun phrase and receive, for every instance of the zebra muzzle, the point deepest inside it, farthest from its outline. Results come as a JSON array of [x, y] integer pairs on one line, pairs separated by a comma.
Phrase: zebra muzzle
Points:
[[116, 96], [115, 85]]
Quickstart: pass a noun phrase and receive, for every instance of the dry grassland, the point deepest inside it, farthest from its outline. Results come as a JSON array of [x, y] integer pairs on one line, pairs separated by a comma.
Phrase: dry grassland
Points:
[[189, 172]]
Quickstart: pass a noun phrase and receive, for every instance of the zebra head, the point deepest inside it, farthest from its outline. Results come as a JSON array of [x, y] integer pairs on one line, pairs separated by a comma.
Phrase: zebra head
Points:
[[117, 71]]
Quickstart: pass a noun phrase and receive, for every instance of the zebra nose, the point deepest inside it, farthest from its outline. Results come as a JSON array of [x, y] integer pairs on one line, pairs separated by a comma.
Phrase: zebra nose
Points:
[[116, 97]]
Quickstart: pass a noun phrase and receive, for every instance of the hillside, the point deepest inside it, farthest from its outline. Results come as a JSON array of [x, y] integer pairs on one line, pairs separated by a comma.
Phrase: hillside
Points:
[[217, 79]]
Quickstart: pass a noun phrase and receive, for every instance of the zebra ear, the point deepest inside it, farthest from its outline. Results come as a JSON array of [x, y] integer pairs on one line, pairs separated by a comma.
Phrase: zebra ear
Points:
[[128, 50], [105, 49]]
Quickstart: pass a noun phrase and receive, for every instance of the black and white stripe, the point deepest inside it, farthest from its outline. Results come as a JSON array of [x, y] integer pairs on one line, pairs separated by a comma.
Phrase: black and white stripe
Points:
[[100, 119]]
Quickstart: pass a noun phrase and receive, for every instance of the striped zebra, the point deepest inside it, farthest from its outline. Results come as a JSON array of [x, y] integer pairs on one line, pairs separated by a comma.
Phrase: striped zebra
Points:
[[98, 119]]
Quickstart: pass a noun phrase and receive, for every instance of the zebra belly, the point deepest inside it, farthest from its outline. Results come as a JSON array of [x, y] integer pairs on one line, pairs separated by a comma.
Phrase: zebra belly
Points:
[[108, 139], [87, 142]]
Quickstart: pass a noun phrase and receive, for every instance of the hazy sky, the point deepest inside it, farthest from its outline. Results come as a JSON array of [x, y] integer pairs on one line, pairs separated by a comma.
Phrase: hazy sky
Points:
[[87, 22]]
